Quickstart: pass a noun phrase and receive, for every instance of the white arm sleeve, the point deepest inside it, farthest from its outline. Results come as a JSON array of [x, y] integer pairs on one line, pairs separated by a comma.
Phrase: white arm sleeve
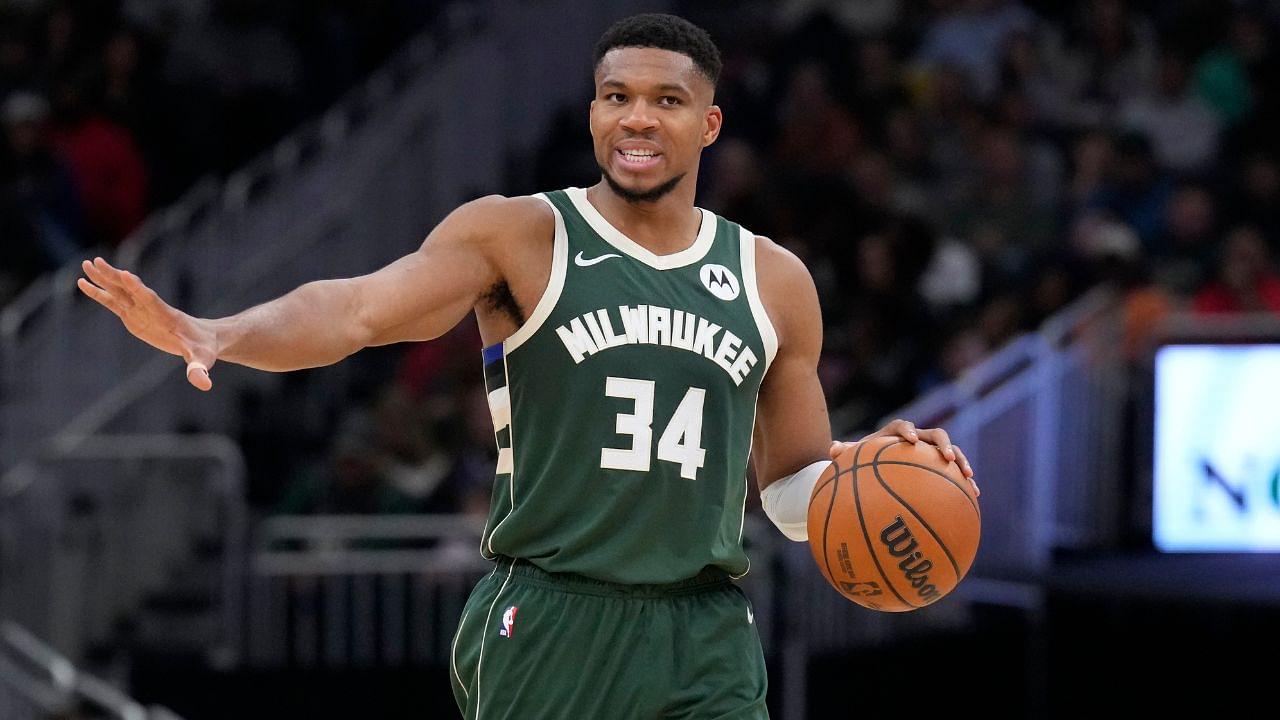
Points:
[[786, 500]]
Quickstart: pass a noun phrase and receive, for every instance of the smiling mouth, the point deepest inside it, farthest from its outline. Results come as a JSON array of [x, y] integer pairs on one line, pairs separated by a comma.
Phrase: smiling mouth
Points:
[[638, 159]]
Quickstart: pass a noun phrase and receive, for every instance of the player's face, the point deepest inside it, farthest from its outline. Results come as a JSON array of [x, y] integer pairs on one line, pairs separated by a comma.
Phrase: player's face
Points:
[[651, 117]]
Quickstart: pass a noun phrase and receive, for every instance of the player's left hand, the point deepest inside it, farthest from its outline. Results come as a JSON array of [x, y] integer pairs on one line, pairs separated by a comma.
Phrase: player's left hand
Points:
[[907, 430]]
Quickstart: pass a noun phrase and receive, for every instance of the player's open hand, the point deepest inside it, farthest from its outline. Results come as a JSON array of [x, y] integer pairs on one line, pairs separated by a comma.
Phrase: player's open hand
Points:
[[151, 319], [907, 430]]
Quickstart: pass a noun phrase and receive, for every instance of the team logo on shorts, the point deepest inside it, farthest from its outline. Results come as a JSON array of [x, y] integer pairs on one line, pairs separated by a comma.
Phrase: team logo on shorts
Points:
[[720, 280], [509, 622]]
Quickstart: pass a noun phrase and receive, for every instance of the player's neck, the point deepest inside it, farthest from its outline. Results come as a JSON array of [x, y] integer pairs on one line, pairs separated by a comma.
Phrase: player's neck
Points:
[[667, 225]]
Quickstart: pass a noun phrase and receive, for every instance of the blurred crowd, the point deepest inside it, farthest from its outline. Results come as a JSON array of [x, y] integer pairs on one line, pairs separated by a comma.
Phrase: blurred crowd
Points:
[[955, 171], [112, 108], [952, 171]]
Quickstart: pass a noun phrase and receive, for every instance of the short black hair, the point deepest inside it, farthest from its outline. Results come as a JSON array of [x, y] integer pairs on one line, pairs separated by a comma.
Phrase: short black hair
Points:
[[664, 32]]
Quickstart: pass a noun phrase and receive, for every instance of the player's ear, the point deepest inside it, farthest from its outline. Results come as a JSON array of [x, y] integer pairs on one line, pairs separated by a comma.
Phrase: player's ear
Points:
[[711, 125]]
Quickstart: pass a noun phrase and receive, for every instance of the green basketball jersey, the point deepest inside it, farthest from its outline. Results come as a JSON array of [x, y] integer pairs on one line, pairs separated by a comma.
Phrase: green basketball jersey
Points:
[[624, 405]]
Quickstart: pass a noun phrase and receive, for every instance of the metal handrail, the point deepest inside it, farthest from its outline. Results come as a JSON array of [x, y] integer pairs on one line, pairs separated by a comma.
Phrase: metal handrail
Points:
[[301, 545], [56, 682], [1017, 356], [364, 527]]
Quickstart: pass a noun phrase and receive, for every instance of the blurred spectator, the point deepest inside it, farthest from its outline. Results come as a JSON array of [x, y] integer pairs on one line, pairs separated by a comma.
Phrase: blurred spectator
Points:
[[1052, 290], [352, 481], [1026, 71], [969, 35], [818, 137], [126, 87], [1135, 190], [40, 215], [738, 187], [885, 324], [105, 161], [953, 278], [1256, 197], [1183, 129], [1092, 157], [1221, 80], [1103, 55], [878, 85], [871, 17], [1143, 303], [1246, 280], [908, 150], [1001, 216], [1252, 41], [1183, 256]]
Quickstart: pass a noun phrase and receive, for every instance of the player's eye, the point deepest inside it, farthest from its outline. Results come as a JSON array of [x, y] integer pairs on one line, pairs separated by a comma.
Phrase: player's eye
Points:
[[668, 100], [616, 97]]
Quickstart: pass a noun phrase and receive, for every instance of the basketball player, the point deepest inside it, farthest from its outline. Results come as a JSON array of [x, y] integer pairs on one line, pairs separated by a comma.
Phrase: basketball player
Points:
[[633, 344]]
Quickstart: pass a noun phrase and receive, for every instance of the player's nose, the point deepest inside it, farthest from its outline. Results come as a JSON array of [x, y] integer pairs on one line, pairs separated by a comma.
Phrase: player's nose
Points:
[[640, 117]]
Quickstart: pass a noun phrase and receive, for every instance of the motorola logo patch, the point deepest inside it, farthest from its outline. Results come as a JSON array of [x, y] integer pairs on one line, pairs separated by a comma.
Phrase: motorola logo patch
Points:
[[720, 281]]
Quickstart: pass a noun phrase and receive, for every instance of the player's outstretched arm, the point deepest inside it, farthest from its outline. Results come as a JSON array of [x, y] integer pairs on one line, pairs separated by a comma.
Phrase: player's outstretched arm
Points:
[[418, 297]]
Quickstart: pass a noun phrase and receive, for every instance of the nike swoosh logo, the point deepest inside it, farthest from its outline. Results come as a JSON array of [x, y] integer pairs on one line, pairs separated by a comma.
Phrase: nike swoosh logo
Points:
[[583, 262]]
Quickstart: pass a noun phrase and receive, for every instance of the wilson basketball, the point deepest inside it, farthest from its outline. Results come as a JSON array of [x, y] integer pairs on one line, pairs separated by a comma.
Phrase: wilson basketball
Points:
[[893, 525]]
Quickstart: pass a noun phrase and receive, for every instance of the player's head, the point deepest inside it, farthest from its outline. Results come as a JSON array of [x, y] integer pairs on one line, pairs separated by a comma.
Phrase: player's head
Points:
[[654, 111]]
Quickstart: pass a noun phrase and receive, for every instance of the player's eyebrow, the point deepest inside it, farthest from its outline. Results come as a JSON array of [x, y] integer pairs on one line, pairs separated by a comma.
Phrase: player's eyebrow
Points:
[[663, 87], [672, 87]]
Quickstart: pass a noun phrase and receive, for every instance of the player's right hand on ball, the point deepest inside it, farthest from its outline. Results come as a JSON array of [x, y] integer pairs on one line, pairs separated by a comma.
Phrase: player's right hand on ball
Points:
[[151, 319]]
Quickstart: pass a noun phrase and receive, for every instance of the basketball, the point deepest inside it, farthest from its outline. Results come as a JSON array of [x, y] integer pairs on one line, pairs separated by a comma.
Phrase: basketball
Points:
[[893, 526]]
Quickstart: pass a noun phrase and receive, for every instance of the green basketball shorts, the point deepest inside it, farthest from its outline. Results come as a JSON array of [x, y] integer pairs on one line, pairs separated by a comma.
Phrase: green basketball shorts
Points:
[[533, 645]]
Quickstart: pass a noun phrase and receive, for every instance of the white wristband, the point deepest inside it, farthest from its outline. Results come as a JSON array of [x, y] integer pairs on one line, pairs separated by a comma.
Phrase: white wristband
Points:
[[786, 500]]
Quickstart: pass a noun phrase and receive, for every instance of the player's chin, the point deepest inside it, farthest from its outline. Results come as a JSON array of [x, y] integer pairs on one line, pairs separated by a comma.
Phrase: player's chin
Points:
[[639, 186]]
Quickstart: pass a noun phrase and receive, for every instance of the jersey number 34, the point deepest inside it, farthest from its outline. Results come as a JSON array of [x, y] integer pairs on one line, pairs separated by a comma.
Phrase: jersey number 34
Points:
[[680, 442]]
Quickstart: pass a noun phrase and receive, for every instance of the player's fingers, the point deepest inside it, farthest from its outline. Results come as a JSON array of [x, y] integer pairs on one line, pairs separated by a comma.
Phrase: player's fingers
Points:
[[104, 279], [838, 447], [108, 271], [967, 469], [134, 284], [198, 375], [102, 297], [963, 462], [940, 438], [905, 429]]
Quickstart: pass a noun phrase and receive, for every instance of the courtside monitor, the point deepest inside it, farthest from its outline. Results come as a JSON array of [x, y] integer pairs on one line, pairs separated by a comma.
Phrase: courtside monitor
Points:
[[1216, 481]]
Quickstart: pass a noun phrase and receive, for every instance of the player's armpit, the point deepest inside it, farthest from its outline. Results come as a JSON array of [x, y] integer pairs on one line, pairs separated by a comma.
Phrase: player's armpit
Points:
[[792, 426]]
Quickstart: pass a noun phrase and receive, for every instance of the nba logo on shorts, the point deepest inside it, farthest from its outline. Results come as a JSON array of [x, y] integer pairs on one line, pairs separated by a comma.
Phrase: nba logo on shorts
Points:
[[508, 622]]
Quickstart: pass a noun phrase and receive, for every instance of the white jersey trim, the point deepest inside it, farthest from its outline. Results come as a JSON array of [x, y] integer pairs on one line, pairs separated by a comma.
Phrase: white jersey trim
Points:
[[555, 284], [763, 324], [612, 235]]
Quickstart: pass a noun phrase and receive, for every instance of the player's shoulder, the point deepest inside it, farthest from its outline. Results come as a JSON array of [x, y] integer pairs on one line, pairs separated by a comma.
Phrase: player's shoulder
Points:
[[499, 213], [777, 268], [788, 292]]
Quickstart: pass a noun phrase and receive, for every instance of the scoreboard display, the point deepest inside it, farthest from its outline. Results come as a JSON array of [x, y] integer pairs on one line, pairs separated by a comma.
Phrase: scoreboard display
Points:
[[1216, 480]]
